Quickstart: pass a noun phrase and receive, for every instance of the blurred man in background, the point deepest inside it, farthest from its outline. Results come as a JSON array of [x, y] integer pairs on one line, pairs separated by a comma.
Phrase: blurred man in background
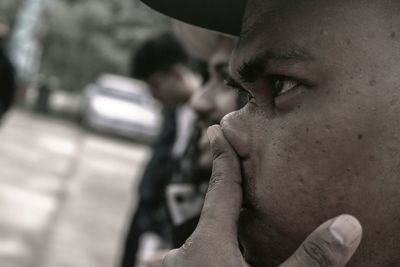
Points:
[[173, 76], [7, 75], [188, 184], [185, 193], [4, 30]]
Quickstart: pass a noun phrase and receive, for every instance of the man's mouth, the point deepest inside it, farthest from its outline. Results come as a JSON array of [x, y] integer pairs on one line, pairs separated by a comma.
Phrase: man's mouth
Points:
[[249, 203], [246, 205]]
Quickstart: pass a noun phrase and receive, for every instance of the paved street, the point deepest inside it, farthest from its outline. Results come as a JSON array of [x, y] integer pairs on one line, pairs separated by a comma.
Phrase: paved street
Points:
[[64, 195]]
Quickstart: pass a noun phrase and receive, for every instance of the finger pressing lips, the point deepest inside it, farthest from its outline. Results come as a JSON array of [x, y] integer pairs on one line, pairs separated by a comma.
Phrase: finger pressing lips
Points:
[[223, 201]]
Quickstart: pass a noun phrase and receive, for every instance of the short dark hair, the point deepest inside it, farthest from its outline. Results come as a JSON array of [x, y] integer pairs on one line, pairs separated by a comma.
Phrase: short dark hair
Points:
[[156, 54], [7, 82]]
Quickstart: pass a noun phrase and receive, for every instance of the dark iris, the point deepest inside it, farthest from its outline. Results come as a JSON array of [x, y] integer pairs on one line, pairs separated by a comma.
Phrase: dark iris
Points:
[[282, 84]]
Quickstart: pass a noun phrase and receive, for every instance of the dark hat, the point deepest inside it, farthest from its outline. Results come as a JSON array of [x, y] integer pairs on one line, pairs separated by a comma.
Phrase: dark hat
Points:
[[219, 15]]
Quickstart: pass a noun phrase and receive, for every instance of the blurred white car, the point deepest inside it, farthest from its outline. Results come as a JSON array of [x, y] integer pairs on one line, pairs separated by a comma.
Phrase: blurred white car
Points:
[[122, 106]]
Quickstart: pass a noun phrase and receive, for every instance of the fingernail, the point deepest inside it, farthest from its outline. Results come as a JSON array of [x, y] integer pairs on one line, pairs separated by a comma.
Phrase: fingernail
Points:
[[212, 132], [346, 230]]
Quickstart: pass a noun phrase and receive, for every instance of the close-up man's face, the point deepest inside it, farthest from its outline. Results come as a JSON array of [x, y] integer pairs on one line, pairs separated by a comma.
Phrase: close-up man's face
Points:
[[320, 135]]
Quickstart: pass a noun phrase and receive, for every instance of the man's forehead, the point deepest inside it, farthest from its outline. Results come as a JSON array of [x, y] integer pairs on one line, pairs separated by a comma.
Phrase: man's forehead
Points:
[[279, 29], [223, 53], [260, 13], [221, 57], [255, 9]]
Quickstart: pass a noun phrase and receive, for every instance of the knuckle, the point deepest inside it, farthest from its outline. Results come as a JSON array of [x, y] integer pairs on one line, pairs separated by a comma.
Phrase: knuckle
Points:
[[318, 254], [219, 171], [216, 150], [215, 181], [223, 163], [224, 156]]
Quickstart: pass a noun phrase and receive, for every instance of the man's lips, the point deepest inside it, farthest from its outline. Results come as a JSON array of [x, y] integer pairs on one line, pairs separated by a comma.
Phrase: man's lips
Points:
[[249, 202]]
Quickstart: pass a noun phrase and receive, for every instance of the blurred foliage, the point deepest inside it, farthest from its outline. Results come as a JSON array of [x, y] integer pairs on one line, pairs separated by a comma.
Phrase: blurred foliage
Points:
[[8, 11], [88, 37]]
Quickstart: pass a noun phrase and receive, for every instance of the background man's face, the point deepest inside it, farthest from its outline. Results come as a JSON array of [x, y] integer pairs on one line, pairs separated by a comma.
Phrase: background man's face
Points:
[[320, 137], [175, 86], [216, 99]]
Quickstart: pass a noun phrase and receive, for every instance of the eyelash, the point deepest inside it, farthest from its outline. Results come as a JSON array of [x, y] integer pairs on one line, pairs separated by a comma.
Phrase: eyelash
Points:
[[241, 92], [279, 79], [274, 80]]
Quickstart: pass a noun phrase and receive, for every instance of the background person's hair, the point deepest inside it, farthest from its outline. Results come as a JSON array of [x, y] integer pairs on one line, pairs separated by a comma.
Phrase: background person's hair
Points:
[[161, 53], [7, 82], [156, 54]]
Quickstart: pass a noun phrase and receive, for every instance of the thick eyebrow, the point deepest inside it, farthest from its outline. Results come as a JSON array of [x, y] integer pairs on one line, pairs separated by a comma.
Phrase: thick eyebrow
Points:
[[255, 67]]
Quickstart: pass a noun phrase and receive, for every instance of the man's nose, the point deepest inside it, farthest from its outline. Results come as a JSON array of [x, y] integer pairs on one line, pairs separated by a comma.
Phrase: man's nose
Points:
[[237, 131], [201, 103]]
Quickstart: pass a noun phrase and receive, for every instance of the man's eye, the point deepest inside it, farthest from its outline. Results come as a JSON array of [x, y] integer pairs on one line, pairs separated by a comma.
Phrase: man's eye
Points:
[[243, 94], [283, 85]]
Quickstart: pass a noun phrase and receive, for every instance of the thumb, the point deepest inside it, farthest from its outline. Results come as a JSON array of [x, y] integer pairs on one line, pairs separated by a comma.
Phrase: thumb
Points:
[[223, 201], [331, 245]]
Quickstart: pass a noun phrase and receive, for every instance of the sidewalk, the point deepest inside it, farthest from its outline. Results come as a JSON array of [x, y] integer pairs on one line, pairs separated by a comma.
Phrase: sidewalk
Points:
[[64, 195]]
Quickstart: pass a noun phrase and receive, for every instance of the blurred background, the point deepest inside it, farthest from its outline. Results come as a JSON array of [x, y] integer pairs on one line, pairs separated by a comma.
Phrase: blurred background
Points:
[[75, 144]]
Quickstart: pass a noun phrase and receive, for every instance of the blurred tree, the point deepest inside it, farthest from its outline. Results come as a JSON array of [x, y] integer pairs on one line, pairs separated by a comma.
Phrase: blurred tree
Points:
[[8, 11], [88, 37]]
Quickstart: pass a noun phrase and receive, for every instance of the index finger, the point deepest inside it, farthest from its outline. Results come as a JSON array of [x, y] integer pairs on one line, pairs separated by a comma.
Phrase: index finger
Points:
[[223, 201]]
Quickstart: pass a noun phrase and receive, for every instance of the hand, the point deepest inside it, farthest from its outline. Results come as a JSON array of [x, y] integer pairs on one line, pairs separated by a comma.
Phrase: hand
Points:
[[215, 241]]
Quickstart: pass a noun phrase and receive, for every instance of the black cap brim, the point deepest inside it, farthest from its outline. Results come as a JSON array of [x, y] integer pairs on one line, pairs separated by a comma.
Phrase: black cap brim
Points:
[[219, 15]]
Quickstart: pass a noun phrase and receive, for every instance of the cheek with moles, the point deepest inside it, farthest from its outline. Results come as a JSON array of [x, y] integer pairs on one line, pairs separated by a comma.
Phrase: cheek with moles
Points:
[[335, 152], [313, 164]]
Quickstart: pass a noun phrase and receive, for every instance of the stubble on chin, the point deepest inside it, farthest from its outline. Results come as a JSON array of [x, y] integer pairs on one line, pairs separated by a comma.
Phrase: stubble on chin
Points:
[[263, 244]]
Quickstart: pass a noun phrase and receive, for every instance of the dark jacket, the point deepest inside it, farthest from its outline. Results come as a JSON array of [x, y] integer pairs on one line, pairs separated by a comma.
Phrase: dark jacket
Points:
[[7, 82]]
